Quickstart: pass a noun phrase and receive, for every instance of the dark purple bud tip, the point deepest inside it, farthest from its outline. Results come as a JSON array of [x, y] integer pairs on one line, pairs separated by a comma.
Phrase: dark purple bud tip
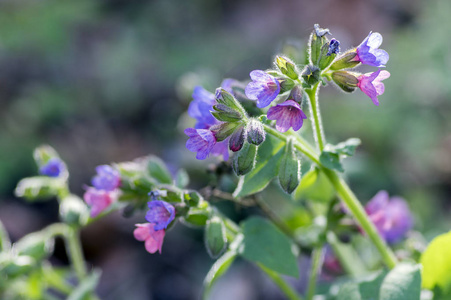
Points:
[[334, 47]]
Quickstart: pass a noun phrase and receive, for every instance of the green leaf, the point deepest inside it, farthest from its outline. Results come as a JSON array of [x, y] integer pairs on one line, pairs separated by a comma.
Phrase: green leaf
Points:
[[37, 245], [86, 287], [331, 160], [197, 216], [347, 147], [436, 263], [330, 157], [157, 169], [264, 243], [401, 283], [217, 270], [39, 188], [315, 186], [266, 168], [215, 237], [181, 178]]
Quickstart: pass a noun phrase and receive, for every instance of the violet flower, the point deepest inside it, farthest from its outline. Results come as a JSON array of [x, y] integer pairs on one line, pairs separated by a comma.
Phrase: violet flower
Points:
[[153, 238], [200, 108], [334, 47], [201, 141], [107, 178], [53, 168], [287, 114], [264, 88], [368, 52], [371, 85], [391, 217], [99, 200], [161, 214]]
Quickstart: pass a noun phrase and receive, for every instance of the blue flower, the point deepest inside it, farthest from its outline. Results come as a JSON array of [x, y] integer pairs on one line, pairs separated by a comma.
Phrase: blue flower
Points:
[[201, 141], [334, 47], [264, 88], [201, 106], [368, 52], [161, 214], [53, 168], [106, 179]]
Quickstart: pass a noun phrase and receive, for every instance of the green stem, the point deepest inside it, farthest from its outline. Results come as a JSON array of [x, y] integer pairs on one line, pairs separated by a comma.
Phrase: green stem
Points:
[[359, 213], [317, 256], [346, 195], [315, 113], [75, 253], [289, 292]]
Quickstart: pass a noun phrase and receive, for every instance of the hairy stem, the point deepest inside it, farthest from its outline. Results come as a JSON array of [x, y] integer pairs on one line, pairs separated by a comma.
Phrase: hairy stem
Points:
[[315, 113], [317, 257], [289, 292], [75, 252]]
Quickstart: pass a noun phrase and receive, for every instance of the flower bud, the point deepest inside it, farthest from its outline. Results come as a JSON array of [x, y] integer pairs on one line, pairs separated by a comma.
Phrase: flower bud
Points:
[[290, 169], [311, 74], [43, 154], [297, 94], [287, 67], [37, 245], [192, 198], [224, 113], [244, 161], [237, 139], [286, 84], [227, 99], [317, 40], [255, 132], [197, 217], [345, 61], [347, 81], [73, 211], [215, 237], [224, 130], [328, 53]]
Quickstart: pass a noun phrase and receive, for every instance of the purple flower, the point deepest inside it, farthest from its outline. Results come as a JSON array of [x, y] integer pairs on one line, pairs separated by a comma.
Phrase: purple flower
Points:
[[228, 84], [221, 148], [287, 114], [161, 214], [53, 168], [201, 141], [371, 84], [264, 88], [392, 217], [368, 52], [334, 47], [106, 179], [201, 106], [99, 200], [153, 238]]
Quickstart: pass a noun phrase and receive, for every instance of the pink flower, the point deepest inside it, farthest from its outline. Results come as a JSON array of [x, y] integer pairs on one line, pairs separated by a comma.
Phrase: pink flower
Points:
[[99, 200], [371, 85], [153, 239]]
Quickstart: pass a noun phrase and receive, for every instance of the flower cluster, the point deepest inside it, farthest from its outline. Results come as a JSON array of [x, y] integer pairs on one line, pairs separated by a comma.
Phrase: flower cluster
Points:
[[159, 216], [104, 190], [53, 168]]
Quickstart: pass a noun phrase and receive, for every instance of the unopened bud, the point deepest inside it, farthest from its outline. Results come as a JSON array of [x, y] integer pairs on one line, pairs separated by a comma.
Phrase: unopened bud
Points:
[[193, 198], [196, 216], [244, 161], [290, 169], [317, 40], [227, 99], [347, 81], [345, 61], [224, 113], [297, 94], [255, 132], [223, 130], [287, 67], [215, 237], [328, 53], [286, 85], [73, 210], [311, 75], [236, 140]]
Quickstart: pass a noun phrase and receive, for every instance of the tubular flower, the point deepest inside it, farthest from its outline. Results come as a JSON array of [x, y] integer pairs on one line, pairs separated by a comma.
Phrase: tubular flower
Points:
[[287, 114], [153, 238], [368, 52], [371, 85], [160, 213], [53, 168], [201, 141], [106, 179], [99, 200], [200, 108], [264, 88], [392, 217]]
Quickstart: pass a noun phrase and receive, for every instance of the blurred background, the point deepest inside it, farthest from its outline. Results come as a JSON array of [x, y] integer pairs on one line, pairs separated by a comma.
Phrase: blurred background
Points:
[[110, 80]]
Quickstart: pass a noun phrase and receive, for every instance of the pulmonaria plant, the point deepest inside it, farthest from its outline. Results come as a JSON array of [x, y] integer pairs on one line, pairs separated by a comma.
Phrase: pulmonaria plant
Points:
[[265, 151]]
